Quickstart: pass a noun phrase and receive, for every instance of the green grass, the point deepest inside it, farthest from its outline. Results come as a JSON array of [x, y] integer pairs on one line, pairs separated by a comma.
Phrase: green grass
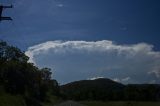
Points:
[[98, 103], [10, 100], [7, 99], [52, 101]]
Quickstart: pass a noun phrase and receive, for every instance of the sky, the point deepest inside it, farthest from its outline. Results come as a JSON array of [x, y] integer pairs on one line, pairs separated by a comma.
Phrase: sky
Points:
[[85, 39]]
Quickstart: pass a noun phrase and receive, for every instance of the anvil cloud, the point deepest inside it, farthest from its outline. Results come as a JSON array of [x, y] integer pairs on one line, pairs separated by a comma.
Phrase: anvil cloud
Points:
[[76, 60]]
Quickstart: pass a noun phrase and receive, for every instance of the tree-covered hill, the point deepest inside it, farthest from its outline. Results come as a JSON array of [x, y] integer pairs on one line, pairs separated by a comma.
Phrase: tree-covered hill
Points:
[[99, 89], [106, 89]]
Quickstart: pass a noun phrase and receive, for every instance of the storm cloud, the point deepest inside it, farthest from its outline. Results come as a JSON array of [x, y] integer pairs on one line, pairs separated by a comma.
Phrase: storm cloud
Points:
[[77, 60]]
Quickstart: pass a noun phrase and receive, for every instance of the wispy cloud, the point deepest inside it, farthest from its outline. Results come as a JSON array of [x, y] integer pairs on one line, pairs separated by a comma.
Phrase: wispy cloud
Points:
[[75, 60], [94, 78], [123, 80], [60, 5]]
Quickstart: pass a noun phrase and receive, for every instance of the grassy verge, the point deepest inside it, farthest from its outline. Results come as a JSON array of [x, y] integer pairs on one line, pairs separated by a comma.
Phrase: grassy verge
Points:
[[121, 103], [10, 100], [52, 101]]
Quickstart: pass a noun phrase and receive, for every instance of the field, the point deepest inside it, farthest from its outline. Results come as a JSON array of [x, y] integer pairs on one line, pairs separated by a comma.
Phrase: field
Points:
[[95, 103]]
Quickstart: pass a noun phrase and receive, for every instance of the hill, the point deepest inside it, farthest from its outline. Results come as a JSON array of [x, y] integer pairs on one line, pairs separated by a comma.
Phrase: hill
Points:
[[98, 89], [106, 89]]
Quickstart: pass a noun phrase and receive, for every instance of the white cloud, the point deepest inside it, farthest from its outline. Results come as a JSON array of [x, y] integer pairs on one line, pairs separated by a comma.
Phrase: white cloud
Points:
[[75, 60], [94, 78], [126, 79], [116, 80], [123, 80], [60, 5]]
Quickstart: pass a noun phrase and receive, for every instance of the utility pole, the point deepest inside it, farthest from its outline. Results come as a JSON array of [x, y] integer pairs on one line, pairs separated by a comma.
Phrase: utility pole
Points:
[[1, 10]]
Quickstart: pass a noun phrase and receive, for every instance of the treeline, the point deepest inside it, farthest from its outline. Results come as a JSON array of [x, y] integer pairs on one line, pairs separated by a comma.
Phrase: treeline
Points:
[[142, 92], [18, 77], [108, 90]]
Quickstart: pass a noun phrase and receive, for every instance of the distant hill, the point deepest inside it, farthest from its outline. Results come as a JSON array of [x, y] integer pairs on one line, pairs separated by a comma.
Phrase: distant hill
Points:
[[98, 89], [106, 89], [97, 82]]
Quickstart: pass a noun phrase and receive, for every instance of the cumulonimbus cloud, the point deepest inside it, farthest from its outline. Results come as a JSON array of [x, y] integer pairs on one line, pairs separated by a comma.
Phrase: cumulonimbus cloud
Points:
[[76, 60]]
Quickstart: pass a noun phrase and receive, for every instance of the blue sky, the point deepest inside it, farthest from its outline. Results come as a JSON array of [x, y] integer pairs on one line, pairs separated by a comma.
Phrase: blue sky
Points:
[[124, 22]]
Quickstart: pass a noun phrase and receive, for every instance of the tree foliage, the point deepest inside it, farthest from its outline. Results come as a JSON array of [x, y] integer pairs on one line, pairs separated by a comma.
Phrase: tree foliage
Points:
[[17, 76]]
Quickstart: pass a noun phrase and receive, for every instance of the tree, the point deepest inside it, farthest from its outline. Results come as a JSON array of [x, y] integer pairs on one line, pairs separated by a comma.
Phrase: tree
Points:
[[8, 53], [20, 77]]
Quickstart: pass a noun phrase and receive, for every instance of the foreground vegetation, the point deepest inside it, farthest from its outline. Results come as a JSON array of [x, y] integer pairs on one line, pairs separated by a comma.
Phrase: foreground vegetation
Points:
[[120, 103], [11, 100], [22, 82]]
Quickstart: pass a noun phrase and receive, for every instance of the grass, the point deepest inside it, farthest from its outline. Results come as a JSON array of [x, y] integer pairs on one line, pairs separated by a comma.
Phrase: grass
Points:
[[52, 101], [7, 99], [120, 103], [10, 100]]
